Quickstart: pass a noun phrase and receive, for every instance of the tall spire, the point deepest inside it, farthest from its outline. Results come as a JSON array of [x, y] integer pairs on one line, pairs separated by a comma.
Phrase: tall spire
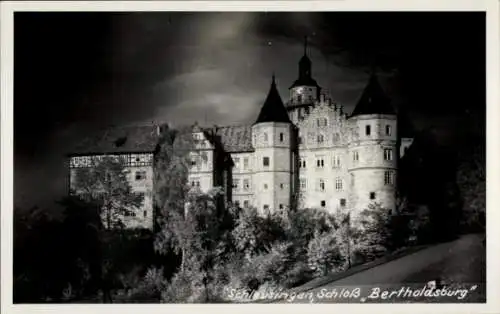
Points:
[[305, 69], [305, 45]]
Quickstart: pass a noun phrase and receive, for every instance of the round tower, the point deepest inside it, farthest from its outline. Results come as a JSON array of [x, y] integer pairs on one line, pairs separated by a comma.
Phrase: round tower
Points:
[[372, 150], [274, 138]]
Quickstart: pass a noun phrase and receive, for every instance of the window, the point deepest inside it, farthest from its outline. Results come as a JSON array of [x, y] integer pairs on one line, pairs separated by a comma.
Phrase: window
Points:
[[282, 186], [342, 202], [336, 161], [265, 161], [266, 208], [265, 137], [245, 163], [282, 137], [388, 178], [302, 163], [368, 130], [321, 122], [323, 203], [281, 206], [372, 195], [299, 98], [265, 186], [303, 183], [145, 213], [140, 175], [195, 182], [237, 203], [387, 154], [338, 184], [321, 185], [300, 140], [388, 130], [236, 183], [321, 138], [245, 203], [306, 110], [355, 156], [236, 162], [246, 184], [320, 162]]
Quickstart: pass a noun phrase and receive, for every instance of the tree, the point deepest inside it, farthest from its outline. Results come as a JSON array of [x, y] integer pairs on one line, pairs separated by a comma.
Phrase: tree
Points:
[[105, 184], [105, 188], [325, 255], [375, 234]]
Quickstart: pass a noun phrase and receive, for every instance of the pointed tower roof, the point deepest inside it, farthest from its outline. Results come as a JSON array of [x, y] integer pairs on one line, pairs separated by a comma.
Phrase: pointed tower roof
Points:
[[373, 100], [273, 109]]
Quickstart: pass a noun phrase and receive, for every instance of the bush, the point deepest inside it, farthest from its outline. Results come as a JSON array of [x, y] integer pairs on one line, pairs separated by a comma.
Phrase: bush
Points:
[[324, 254]]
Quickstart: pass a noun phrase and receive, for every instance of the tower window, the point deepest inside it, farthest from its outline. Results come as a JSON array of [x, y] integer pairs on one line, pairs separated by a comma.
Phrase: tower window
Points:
[[323, 203], [236, 162], [140, 175], [388, 130], [303, 183], [336, 161], [302, 163], [321, 138], [338, 184], [342, 202], [265, 161], [387, 154], [320, 162], [368, 130], [388, 178], [321, 185], [355, 156], [145, 213], [281, 137], [236, 183], [372, 195]]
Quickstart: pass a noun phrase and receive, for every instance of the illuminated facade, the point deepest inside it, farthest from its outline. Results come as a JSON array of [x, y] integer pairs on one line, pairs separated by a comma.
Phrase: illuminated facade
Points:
[[306, 151]]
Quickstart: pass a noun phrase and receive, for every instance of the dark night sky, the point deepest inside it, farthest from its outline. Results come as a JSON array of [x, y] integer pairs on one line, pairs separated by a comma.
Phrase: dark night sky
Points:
[[77, 72]]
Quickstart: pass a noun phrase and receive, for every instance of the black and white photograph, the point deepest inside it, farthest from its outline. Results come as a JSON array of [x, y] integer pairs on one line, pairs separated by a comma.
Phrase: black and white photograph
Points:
[[248, 157]]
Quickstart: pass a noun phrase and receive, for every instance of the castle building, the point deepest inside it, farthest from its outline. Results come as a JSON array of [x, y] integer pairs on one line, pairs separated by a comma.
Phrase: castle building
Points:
[[304, 152]]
